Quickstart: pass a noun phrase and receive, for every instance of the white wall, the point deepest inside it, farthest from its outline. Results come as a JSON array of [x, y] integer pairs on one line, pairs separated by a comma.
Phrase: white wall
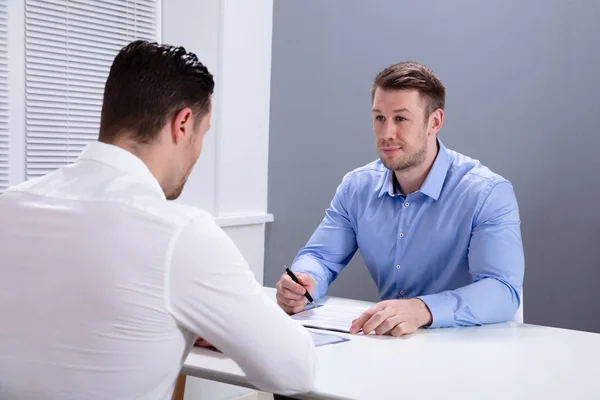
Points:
[[233, 39]]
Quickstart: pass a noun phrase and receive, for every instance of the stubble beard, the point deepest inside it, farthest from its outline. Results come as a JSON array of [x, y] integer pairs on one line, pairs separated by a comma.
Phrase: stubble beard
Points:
[[410, 160]]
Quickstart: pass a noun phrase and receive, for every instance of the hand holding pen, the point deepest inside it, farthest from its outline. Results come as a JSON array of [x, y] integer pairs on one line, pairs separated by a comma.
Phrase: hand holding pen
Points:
[[294, 291]]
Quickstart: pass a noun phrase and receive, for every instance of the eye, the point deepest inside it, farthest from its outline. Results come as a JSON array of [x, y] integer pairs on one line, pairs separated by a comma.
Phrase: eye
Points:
[[380, 118], [400, 119]]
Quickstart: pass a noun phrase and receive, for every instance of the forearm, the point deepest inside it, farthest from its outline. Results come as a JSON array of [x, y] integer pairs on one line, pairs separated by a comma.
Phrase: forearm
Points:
[[213, 294], [275, 352], [331, 246], [486, 301]]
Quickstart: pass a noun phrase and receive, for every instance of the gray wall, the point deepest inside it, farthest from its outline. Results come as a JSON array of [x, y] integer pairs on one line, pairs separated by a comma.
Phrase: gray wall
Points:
[[523, 90]]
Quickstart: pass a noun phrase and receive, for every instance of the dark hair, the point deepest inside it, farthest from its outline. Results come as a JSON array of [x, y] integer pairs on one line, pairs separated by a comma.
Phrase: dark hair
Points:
[[412, 75], [147, 85]]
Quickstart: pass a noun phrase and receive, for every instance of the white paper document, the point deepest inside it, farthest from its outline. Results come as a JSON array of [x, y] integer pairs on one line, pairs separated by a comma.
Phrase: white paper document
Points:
[[322, 339], [329, 317]]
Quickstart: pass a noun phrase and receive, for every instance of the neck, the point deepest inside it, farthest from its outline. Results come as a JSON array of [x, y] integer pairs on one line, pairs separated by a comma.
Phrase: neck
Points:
[[411, 179], [150, 155]]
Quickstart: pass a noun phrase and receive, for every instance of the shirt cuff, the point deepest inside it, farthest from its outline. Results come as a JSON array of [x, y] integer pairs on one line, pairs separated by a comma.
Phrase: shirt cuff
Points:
[[442, 313], [314, 269]]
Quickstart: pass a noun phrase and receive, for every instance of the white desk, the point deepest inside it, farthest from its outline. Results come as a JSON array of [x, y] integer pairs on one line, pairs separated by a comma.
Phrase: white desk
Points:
[[503, 361]]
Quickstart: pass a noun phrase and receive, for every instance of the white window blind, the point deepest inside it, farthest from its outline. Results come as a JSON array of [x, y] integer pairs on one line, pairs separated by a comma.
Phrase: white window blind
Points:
[[69, 48], [4, 139]]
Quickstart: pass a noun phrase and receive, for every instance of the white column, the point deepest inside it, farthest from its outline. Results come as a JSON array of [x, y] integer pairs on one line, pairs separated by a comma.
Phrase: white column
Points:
[[233, 39], [243, 140]]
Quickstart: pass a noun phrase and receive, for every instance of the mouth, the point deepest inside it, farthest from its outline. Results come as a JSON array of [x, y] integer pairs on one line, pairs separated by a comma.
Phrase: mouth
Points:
[[391, 151]]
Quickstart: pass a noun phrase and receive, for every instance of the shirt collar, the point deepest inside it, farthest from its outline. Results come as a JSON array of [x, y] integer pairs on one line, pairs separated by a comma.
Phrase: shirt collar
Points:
[[432, 186], [121, 159]]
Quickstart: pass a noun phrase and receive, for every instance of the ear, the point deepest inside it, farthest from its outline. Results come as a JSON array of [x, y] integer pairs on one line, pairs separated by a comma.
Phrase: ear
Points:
[[436, 120], [182, 125]]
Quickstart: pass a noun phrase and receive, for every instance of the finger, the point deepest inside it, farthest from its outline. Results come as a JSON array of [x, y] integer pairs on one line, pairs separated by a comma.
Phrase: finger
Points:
[[296, 303], [288, 294], [301, 302], [290, 309], [377, 319], [292, 298], [289, 304], [288, 283], [202, 343], [296, 310], [389, 324], [403, 328], [305, 279], [358, 323]]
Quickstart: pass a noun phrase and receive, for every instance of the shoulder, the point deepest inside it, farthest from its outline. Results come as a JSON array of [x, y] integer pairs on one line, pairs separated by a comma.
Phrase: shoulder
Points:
[[120, 195], [369, 176], [469, 171], [468, 176], [29, 185], [175, 211], [373, 169]]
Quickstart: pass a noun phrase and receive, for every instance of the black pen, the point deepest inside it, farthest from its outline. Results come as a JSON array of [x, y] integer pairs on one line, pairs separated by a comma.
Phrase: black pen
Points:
[[295, 279]]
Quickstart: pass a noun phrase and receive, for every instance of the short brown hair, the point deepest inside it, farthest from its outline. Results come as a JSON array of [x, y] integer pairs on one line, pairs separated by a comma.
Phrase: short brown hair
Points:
[[412, 75]]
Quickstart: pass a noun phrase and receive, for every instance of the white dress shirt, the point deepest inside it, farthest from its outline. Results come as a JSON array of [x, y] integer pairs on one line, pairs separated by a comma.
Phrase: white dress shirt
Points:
[[105, 285]]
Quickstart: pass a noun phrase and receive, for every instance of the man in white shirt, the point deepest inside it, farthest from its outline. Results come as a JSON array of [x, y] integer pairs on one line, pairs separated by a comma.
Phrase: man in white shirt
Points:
[[105, 285]]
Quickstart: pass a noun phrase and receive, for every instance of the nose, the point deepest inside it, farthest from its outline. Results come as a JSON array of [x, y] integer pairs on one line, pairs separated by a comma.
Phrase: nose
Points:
[[389, 130]]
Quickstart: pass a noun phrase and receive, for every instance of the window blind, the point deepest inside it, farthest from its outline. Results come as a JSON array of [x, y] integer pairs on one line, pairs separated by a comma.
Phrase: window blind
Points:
[[69, 48], [4, 139]]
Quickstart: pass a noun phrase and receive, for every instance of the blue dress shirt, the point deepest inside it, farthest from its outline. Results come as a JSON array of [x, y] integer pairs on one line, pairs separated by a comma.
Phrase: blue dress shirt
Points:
[[455, 243]]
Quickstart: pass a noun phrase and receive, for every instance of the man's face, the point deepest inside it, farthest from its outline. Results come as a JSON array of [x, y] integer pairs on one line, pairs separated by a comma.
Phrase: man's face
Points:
[[191, 149], [400, 128]]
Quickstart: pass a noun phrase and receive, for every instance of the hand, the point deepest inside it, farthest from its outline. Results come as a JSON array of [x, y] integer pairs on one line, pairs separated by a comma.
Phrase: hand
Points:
[[393, 317], [204, 344], [290, 295]]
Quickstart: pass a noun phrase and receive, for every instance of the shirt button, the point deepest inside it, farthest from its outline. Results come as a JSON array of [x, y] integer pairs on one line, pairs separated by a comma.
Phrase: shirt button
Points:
[[398, 266], [406, 204], [401, 234], [402, 293]]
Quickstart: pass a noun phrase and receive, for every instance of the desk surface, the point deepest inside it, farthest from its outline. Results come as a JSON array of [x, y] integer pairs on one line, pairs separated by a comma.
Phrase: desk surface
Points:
[[511, 360]]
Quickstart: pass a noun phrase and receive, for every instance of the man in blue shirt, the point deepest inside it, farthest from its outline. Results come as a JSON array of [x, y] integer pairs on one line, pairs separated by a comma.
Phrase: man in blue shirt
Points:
[[438, 231]]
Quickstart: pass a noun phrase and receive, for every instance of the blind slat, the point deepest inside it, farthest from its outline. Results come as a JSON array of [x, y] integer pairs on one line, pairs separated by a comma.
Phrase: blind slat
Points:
[[50, 141]]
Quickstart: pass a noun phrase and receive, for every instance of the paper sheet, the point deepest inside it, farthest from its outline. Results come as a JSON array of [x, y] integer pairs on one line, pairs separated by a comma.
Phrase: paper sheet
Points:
[[323, 339], [329, 317]]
